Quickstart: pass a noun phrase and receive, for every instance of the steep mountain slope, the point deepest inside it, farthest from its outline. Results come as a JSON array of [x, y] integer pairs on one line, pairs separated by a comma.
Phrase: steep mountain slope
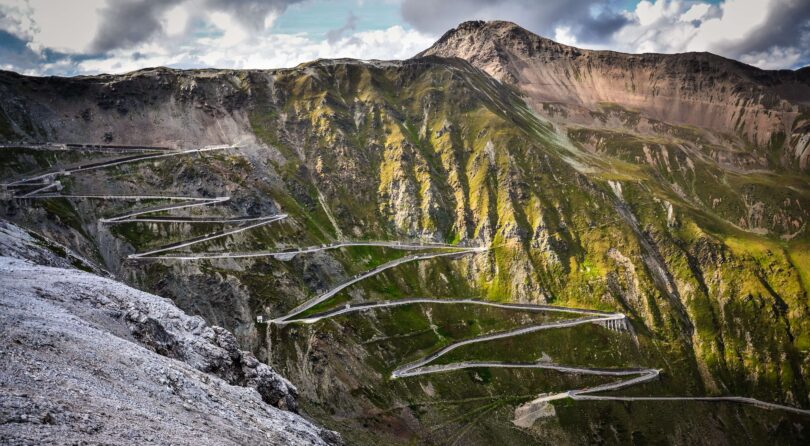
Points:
[[766, 108], [88, 359], [688, 231]]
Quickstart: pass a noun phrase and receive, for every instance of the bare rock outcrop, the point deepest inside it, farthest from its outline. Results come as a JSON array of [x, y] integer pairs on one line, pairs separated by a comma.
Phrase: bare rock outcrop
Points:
[[88, 359]]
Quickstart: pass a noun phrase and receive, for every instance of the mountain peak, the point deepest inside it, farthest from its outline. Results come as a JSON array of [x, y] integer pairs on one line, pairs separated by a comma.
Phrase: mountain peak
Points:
[[502, 29], [493, 46], [475, 25], [699, 89]]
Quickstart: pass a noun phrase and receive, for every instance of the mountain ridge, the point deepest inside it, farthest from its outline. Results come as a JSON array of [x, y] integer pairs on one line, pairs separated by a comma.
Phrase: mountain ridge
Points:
[[770, 109], [517, 31], [699, 89]]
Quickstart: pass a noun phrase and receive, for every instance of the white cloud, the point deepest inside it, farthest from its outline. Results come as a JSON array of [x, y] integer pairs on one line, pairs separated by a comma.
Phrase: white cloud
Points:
[[695, 12], [774, 59], [650, 13], [670, 26], [175, 20], [737, 20], [232, 32], [564, 35], [63, 26], [132, 34], [86, 26], [15, 18], [263, 50]]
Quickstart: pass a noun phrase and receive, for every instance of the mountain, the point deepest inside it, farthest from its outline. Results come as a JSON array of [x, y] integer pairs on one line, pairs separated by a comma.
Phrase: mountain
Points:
[[519, 170], [698, 89]]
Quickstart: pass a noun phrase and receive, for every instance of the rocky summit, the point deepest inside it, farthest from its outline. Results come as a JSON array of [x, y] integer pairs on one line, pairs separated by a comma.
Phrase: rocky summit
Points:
[[502, 240]]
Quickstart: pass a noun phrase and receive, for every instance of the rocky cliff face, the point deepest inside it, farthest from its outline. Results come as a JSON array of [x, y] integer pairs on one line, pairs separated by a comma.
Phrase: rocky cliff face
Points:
[[155, 107], [699, 89], [91, 359], [699, 237]]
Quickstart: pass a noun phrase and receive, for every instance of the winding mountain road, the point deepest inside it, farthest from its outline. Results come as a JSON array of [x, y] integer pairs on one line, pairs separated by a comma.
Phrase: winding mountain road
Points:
[[114, 162], [64, 147], [423, 366], [289, 253], [385, 266], [46, 182]]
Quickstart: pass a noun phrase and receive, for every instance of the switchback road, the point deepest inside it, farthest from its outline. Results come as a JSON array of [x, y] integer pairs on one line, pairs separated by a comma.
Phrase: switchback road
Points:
[[47, 182]]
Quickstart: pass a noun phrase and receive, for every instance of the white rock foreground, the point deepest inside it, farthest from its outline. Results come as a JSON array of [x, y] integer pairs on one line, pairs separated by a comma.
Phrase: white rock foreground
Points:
[[85, 359]]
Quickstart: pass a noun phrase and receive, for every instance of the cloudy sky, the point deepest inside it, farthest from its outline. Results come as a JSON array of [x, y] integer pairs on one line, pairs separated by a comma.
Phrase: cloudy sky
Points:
[[71, 37]]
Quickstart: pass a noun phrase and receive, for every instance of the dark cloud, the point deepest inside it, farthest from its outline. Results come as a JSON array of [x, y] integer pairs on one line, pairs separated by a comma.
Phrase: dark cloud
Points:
[[785, 26], [251, 13], [591, 19], [125, 23], [333, 35], [599, 27]]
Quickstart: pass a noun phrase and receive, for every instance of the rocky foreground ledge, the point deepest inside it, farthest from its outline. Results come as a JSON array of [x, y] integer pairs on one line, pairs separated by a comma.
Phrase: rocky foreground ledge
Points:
[[89, 359]]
